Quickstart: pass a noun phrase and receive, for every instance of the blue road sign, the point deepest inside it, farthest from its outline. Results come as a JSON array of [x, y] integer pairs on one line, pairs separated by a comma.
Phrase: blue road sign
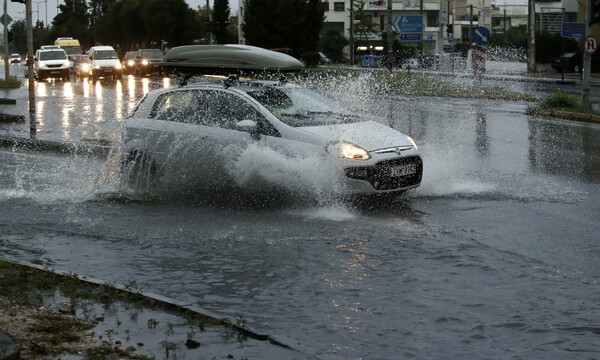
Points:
[[481, 35], [573, 30], [408, 24], [450, 38], [409, 37]]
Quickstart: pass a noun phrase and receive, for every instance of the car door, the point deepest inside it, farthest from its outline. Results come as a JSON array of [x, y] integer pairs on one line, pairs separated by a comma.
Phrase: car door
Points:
[[194, 137]]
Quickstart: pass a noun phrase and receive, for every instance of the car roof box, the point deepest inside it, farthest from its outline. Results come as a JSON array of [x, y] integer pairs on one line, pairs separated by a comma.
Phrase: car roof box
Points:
[[226, 59]]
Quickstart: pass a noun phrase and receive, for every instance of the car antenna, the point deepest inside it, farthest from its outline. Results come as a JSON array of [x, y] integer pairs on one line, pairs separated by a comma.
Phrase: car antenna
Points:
[[232, 79]]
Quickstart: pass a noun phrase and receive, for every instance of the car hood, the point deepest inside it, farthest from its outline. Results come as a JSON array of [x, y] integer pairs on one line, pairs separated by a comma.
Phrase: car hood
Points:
[[369, 135]]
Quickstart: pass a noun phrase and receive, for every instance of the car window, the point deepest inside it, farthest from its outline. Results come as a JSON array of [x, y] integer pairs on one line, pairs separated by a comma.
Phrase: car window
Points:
[[298, 107], [52, 55], [211, 108], [105, 54], [152, 54]]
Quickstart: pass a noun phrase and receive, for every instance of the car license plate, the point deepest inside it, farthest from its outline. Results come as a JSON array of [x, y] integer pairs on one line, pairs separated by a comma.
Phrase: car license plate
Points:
[[402, 170], [55, 72]]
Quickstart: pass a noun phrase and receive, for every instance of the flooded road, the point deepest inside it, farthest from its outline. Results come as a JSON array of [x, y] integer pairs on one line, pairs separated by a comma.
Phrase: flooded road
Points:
[[496, 255]]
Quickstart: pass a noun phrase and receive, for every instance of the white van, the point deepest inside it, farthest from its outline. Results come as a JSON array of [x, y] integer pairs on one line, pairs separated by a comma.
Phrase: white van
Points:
[[51, 62], [104, 62]]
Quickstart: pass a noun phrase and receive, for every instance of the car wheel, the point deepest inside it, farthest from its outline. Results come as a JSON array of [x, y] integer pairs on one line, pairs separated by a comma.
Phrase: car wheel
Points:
[[138, 173]]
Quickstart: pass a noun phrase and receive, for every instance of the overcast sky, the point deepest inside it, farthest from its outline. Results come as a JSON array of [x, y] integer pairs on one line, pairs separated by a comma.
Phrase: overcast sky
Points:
[[17, 10]]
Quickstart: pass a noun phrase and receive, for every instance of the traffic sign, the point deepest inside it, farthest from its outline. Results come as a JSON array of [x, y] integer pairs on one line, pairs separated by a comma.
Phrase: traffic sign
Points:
[[481, 35], [450, 38], [408, 24], [409, 37], [5, 19], [590, 45], [573, 30]]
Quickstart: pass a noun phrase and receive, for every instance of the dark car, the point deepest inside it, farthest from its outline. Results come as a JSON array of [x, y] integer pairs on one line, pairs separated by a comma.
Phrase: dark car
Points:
[[81, 67], [129, 62], [567, 62], [147, 61]]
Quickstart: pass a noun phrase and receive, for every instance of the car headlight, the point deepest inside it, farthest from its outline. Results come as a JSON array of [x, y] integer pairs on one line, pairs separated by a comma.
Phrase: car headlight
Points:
[[413, 142], [117, 65], [144, 62], [96, 66], [130, 63], [85, 67], [350, 151], [67, 64]]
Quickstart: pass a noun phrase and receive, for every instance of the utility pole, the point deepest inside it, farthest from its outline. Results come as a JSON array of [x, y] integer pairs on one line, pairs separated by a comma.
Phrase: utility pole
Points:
[[32, 120], [6, 56], [471, 26], [390, 39], [351, 32], [531, 37], [587, 62]]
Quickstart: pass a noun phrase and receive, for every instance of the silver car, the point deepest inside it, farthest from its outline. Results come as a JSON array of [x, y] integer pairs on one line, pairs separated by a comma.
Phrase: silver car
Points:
[[201, 134]]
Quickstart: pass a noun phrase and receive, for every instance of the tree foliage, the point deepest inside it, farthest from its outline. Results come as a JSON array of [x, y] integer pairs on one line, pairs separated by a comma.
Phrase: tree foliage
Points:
[[221, 21], [281, 24], [332, 43]]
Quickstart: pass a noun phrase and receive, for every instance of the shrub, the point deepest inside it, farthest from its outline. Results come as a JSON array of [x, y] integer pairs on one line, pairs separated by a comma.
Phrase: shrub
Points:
[[560, 100]]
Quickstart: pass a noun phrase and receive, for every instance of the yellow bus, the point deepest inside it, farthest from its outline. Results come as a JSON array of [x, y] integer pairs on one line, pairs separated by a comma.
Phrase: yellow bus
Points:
[[69, 45]]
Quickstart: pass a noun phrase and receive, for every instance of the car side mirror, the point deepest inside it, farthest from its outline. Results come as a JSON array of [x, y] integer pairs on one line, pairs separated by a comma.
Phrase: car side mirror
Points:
[[248, 126]]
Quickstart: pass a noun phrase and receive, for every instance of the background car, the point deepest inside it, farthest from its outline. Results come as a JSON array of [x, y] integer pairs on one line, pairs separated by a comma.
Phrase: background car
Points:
[[104, 62], [51, 62], [567, 62], [129, 62], [81, 67], [15, 58], [147, 61]]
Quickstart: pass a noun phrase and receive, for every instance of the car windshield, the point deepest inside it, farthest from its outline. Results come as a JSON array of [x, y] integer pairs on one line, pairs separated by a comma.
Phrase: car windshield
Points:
[[152, 54], [106, 54], [53, 55], [299, 107]]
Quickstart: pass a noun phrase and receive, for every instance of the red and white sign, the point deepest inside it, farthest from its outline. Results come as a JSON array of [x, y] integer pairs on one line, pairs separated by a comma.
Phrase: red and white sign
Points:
[[590, 45], [479, 59]]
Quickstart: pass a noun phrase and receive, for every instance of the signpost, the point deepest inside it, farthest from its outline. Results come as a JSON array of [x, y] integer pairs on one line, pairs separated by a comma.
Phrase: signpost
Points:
[[573, 30], [409, 37], [590, 45], [481, 36], [408, 24]]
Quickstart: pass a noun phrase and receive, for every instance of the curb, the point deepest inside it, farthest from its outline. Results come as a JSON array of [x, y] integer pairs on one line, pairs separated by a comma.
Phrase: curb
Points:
[[168, 303], [55, 146]]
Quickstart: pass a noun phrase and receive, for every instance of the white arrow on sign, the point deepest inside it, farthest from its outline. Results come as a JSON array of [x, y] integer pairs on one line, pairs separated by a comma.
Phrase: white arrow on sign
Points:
[[483, 37]]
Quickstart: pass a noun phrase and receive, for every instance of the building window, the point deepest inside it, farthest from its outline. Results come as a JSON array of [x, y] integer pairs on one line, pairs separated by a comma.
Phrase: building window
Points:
[[339, 6], [325, 6], [433, 18]]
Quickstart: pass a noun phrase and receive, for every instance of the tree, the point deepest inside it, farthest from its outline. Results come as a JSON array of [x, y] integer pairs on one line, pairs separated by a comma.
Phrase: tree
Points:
[[74, 23], [283, 24], [221, 20], [364, 24], [332, 43], [99, 8]]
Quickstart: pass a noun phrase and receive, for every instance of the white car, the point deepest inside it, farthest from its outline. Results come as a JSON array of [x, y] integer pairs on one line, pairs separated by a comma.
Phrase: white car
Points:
[[194, 134], [51, 62]]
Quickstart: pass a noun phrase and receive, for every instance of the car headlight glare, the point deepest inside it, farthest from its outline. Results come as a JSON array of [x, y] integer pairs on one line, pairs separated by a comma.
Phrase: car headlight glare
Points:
[[117, 65], [351, 152], [144, 62], [96, 66], [413, 142], [130, 63]]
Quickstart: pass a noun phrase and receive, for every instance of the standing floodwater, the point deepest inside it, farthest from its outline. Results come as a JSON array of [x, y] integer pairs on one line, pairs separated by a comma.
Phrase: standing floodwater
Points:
[[495, 255]]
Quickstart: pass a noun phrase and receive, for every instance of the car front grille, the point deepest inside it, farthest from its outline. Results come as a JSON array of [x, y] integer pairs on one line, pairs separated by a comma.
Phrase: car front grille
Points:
[[379, 176], [54, 66]]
